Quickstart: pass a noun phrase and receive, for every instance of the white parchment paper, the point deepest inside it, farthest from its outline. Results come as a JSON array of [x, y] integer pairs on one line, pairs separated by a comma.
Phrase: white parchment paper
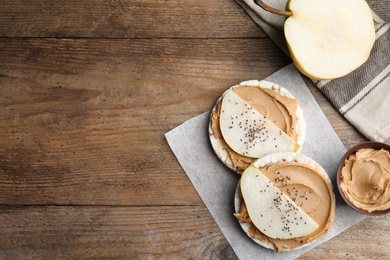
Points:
[[216, 184]]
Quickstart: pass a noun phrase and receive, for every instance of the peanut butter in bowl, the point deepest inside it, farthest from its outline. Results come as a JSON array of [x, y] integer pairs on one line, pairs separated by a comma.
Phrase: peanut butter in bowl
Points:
[[364, 178]]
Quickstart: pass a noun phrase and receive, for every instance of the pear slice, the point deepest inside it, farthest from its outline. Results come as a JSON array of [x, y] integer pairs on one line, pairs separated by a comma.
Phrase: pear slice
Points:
[[270, 210], [248, 132], [327, 38]]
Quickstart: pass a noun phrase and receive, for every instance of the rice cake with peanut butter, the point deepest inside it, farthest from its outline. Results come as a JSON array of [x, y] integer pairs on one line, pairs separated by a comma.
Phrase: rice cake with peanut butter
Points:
[[306, 183], [273, 106]]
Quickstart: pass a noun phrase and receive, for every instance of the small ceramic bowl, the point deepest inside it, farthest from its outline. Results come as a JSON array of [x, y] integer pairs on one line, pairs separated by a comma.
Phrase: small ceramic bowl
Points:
[[373, 145]]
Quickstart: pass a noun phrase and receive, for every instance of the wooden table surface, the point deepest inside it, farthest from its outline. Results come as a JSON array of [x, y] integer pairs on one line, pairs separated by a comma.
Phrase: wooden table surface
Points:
[[87, 91]]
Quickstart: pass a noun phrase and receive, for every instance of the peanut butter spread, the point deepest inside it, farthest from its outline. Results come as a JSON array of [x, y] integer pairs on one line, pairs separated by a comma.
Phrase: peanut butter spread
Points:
[[365, 179], [309, 189], [280, 109]]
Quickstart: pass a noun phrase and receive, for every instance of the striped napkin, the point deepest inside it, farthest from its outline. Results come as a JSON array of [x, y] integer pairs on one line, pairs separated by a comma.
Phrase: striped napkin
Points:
[[363, 96]]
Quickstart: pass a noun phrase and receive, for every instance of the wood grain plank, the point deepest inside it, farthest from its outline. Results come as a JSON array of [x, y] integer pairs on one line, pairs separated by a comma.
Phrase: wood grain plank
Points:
[[110, 233], [152, 233], [83, 120], [369, 239], [125, 19], [133, 19]]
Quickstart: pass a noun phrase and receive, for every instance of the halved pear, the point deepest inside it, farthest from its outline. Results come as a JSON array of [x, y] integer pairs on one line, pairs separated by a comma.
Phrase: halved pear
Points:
[[248, 132], [270, 210], [327, 38]]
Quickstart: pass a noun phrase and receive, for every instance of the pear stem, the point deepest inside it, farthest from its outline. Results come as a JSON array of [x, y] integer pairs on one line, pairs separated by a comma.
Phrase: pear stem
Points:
[[272, 10]]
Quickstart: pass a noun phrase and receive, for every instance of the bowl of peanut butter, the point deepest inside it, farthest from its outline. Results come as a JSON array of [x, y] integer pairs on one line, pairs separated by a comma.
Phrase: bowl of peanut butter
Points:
[[363, 178]]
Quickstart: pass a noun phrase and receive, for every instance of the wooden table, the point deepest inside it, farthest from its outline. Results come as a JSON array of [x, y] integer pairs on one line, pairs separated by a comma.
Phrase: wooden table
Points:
[[87, 91]]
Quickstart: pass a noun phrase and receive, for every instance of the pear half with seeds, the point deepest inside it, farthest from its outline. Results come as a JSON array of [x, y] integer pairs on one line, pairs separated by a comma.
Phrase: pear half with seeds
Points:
[[270, 210], [327, 38], [248, 132]]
